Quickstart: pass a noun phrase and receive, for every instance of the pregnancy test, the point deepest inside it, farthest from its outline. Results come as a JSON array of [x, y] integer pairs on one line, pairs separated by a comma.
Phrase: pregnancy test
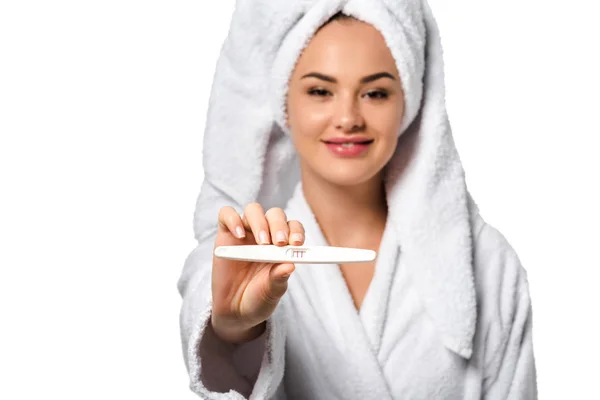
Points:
[[296, 254]]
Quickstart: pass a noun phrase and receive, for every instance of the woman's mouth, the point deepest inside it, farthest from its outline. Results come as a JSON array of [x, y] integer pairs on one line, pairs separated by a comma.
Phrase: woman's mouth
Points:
[[346, 147]]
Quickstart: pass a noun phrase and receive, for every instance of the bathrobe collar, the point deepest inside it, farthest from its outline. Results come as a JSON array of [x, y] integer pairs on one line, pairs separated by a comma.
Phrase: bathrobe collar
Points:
[[436, 247]]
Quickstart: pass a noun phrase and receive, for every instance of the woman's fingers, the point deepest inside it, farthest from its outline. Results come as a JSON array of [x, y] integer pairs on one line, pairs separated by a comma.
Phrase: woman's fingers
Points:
[[254, 217], [230, 220], [270, 227], [281, 271], [278, 278], [296, 230], [278, 226]]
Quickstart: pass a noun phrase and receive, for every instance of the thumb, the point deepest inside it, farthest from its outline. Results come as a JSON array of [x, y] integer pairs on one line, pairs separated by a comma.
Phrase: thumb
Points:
[[278, 278]]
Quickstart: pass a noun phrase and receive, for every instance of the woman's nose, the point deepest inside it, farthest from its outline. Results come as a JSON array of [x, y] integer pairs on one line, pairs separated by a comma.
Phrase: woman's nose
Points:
[[348, 117]]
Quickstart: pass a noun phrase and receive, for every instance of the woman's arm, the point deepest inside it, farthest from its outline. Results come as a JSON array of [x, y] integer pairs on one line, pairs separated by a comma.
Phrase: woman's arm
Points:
[[219, 370], [514, 374], [506, 317], [222, 361]]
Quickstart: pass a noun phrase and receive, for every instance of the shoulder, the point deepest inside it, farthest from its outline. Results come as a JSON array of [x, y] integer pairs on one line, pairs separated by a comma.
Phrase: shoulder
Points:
[[500, 278], [497, 268], [502, 290], [495, 260]]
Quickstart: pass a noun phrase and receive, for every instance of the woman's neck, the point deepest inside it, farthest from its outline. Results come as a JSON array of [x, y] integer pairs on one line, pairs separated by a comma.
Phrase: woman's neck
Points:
[[347, 215]]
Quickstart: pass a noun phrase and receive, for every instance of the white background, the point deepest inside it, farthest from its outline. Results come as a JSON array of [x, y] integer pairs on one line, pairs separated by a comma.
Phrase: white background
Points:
[[102, 108]]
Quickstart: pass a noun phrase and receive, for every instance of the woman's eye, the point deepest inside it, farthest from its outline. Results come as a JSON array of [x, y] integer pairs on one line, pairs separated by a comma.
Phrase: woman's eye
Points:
[[378, 94], [318, 92]]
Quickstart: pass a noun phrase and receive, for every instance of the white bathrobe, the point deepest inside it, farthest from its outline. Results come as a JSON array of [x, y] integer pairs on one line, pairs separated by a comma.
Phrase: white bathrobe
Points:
[[448, 313], [319, 347]]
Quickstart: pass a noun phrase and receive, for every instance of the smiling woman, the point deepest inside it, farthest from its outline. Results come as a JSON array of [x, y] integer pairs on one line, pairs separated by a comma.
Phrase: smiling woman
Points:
[[345, 101], [356, 152]]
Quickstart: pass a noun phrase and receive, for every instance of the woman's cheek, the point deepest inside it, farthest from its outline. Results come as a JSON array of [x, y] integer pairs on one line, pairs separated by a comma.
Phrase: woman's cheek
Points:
[[313, 121]]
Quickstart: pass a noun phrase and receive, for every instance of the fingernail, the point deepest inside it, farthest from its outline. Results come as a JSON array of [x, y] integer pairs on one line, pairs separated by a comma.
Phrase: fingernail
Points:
[[240, 232], [281, 236], [296, 237], [264, 239]]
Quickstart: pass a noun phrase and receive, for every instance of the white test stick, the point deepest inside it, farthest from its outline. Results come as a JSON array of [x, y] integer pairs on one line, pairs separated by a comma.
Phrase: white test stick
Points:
[[296, 254]]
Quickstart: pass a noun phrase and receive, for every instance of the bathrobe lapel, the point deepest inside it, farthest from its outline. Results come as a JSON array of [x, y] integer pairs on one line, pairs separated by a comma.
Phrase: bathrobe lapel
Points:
[[359, 332], [374, 310]]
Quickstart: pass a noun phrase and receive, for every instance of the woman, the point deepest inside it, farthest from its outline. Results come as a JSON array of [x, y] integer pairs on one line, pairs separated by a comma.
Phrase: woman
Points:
[[443, 313]]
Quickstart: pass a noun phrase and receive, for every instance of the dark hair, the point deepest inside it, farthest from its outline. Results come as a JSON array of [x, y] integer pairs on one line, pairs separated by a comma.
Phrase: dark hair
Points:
[[339, 16]]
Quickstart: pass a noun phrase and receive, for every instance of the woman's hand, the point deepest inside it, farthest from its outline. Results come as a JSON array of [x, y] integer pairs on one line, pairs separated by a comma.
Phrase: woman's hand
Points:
[[245, 294]]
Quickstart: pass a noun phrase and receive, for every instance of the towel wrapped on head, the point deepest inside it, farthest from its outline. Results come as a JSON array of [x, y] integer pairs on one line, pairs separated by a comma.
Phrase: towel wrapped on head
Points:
[[249, 155]]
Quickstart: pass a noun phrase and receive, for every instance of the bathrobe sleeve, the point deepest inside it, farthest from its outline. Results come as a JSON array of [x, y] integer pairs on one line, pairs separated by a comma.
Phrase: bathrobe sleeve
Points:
[[219, 370], [510, 372]]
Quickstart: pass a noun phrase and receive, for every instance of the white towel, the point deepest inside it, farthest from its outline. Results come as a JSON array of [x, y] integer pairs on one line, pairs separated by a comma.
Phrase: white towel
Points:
[[249, 156]]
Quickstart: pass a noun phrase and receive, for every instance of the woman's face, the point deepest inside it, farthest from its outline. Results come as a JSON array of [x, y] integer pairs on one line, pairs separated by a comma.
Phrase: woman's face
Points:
[[345, 88]]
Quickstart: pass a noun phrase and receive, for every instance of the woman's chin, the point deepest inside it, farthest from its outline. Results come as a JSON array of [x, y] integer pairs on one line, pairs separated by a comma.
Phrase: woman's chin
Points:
[[345, 177], [342, 172]]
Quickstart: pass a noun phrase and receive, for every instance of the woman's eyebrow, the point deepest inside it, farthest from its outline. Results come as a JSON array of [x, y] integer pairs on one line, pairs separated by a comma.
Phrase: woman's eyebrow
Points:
[[366, 79]]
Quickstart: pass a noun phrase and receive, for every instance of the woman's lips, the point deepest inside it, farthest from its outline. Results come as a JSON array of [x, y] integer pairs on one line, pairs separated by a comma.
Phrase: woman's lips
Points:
[[348, 149]]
